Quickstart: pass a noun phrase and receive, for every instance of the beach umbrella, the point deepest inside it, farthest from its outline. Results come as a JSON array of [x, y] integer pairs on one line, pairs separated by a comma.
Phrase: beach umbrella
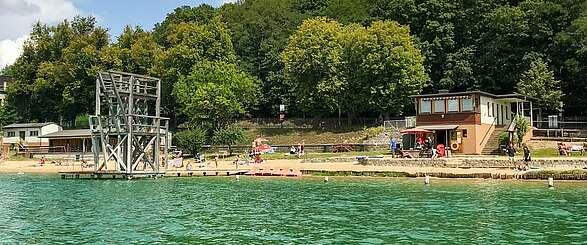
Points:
[[415, 131], [264, 149]]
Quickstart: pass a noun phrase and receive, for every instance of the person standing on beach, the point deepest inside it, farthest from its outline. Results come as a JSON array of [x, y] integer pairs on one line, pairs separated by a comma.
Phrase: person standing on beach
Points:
[[526, 153], [511, 151], [393, 145], [302, 147], [299, 149]]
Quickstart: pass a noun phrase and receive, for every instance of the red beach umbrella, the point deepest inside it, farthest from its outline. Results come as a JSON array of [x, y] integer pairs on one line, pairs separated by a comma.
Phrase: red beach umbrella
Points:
[[415, 131]]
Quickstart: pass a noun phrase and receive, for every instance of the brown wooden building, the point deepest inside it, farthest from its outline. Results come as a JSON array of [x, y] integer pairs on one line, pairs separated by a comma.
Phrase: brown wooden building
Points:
[[469, 122], [73, 140]]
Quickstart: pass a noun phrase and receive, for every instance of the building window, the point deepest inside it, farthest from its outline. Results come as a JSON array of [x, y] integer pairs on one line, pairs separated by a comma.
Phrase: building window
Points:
[[464, 133], [439, 106], [467, 104], [11, 134], [33, 133], [425, 106], [453, 105]]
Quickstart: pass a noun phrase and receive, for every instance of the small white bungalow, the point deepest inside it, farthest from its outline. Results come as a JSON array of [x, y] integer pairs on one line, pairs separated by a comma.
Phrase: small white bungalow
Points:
[[28, 134]]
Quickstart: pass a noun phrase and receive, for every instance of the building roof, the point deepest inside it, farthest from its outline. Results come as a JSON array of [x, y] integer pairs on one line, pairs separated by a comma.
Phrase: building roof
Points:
[[438, 127], [71, 133], [495, 96], [27, 125]]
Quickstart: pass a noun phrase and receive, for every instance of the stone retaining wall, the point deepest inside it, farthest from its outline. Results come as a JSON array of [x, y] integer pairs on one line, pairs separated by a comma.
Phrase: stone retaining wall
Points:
[[330, 159], [474, 163]]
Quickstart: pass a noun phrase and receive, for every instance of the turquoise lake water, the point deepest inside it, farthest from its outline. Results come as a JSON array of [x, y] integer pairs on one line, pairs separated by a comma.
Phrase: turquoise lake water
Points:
[[44, 209]]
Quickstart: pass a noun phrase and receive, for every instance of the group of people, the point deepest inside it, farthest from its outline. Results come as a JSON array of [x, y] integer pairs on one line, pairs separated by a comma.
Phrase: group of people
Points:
[[565, 150], [299, 150], [429, 148], [426, 146], [510, 151]]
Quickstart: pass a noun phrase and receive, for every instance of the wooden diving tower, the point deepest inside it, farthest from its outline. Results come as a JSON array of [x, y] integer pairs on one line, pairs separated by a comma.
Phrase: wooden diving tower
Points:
[[129, 136]]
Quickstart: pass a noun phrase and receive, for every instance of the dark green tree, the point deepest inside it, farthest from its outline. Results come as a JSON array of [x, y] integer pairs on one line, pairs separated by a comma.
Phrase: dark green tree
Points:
[[216, 93], [54, 77], [229, 136], [539, 82]]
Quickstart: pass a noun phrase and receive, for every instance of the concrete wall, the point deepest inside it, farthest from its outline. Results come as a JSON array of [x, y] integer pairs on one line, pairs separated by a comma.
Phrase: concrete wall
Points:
[[483, 131], [474, 142], [486, 112], [475, 163]]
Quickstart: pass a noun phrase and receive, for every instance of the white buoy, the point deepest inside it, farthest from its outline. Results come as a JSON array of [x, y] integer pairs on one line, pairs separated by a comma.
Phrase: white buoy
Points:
[[427, 180], [238, 178], [550, 182], [326, 179]]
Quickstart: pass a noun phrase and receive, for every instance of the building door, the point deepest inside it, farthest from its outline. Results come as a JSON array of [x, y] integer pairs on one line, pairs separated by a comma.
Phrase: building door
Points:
[[22, 134], [441, 137]]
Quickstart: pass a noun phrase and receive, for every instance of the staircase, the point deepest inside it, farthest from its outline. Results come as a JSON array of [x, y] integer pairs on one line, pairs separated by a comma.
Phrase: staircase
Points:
[[492, 145]]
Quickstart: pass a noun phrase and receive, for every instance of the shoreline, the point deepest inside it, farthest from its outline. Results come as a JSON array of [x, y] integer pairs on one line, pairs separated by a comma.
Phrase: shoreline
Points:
[[350, 169]]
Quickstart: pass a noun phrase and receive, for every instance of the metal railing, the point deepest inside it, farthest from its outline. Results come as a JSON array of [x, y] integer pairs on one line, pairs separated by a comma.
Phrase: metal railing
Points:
[[489, 129], [562, 129], [561, 125], [310, 123]]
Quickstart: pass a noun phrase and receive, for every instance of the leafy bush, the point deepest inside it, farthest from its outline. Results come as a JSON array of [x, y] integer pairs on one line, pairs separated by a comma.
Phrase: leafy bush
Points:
[[191, 139], [504, 138], [82, 121], [522, 127]]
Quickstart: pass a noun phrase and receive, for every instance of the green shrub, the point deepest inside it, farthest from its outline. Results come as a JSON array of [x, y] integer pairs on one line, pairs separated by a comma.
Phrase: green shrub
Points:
[[190, 140], [522, 127], [504, 138]]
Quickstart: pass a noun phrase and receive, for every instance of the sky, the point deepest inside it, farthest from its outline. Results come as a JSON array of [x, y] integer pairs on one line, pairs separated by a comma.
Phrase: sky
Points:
[[17, 17]]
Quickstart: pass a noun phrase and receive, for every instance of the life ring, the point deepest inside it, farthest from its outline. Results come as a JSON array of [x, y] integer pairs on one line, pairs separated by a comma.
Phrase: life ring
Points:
[[454, 146]]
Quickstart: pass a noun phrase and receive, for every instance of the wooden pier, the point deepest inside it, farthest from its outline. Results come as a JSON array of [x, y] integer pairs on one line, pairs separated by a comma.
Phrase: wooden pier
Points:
[[105, 175]]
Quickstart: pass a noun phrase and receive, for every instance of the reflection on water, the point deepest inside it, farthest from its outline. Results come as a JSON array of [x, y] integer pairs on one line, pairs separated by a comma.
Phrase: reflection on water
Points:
[[47, 209]]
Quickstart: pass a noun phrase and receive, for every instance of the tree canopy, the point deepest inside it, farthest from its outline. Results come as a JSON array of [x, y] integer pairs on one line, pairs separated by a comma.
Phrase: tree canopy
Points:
[[321, 58], [353, 68]]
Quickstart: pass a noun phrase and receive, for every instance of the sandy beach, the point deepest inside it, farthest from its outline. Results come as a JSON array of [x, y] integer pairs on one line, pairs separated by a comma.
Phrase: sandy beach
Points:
[[33, 167]]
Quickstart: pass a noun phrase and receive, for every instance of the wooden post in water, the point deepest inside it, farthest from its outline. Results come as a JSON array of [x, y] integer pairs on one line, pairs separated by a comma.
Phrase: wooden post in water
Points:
[[427, 180]]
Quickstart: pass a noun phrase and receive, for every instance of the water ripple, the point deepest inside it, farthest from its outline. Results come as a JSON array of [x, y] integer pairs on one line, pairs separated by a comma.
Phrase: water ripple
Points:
[[43, 209]]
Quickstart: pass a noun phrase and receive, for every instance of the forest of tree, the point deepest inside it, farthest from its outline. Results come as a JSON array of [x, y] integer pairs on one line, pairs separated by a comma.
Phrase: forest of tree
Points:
[[321, 58]]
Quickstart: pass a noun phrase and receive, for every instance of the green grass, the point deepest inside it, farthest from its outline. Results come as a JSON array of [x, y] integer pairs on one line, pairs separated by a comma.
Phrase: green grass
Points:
[[290, 136], [18, 158], [547, 152], [311, 155]]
